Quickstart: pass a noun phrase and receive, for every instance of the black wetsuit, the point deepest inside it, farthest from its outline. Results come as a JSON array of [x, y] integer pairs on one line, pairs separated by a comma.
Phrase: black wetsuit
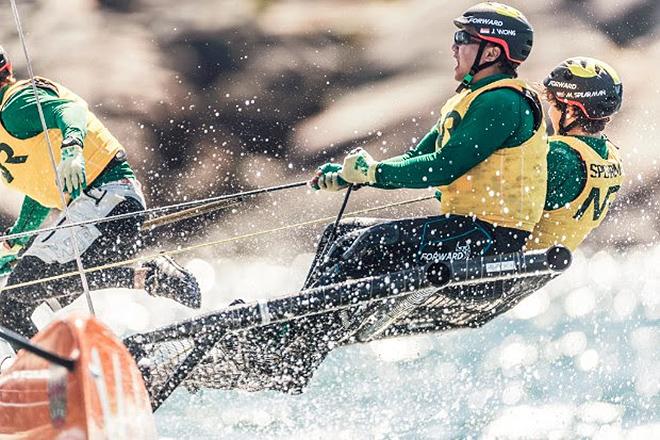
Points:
[[366, 246]]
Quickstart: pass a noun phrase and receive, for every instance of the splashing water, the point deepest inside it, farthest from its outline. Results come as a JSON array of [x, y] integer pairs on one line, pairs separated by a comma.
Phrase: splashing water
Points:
[[577, 359]]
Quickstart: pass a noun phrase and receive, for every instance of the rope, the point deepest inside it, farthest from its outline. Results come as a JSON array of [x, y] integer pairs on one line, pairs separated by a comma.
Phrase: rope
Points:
[[211, 243], [331, 235], [208, 202], [51, 154], [186, 214]]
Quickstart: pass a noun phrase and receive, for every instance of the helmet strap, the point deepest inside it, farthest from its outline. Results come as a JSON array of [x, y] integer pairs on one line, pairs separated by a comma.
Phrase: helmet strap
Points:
[[564, 129], [476, 67]]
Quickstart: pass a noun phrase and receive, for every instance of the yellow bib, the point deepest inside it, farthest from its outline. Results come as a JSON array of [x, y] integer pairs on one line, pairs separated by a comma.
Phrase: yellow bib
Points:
[[507, 188], [26, 164], [569, 225]]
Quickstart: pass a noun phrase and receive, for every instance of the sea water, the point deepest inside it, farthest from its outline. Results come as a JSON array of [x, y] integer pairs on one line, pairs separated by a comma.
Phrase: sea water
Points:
[[578, 359]]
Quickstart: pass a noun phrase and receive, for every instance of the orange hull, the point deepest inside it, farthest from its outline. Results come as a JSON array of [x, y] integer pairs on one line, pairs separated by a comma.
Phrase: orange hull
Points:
[[103, 397]]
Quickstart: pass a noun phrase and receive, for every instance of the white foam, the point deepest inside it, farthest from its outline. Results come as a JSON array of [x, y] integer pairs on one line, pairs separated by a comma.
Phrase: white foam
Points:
[[588, 360], [532, 306], [128, 311], [532, 422], [401, 349], [204, 272], [573, 343], [580, 302]]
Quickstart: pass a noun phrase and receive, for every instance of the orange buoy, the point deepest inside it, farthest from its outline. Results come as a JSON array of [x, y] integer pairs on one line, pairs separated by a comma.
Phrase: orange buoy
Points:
[[102, 397]]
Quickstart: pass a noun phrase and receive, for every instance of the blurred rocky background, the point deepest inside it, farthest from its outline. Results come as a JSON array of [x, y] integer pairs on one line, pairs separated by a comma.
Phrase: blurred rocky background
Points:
[[217, 96]]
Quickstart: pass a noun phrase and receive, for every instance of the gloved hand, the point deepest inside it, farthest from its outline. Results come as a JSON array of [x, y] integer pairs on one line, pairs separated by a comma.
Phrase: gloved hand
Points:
[[359, 167], [327, 178], [8, 254], [72, 167]]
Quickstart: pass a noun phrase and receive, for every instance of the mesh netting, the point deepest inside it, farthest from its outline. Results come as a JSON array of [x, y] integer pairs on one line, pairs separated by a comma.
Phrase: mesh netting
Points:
[[454, 308], [278, 344], [284, 356], [281, 357]]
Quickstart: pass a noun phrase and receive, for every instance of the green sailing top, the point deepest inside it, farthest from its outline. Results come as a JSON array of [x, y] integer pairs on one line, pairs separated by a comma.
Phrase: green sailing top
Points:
[[495, 119], [20, 118], [567, 174]]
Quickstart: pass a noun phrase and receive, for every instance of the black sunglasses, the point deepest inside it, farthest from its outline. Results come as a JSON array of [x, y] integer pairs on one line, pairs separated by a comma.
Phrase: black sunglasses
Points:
[[464, 37]]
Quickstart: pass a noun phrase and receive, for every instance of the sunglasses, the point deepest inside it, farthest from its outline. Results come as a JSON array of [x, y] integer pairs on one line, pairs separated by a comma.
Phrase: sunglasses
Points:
[[464, 37]]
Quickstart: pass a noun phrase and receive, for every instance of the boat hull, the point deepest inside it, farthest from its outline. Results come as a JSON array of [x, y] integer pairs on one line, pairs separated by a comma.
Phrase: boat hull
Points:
[[102, 397]]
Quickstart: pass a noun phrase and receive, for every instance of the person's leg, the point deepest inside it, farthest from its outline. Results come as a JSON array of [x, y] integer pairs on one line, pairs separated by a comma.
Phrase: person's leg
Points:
[[504, 241], [99, 243], [115, 241], [381, 246], [161, 276], [329, 253], [405, 243], [119, 241], [18, 303], [51, 254]]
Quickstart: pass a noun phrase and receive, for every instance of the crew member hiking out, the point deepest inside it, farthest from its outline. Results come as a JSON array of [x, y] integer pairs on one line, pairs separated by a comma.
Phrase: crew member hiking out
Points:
[[98, 182], [486, 155], [584, 169]]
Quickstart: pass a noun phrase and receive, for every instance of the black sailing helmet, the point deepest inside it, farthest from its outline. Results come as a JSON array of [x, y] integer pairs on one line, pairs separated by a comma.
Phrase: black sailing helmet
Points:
[[587, 83], [498, 24], [5, 65]]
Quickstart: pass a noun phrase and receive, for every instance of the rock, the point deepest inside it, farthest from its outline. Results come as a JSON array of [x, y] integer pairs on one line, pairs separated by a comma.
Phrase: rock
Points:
[[205, 92]]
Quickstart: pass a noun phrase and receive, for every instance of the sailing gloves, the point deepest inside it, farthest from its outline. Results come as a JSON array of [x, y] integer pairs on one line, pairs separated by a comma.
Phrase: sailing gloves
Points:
[[72, 167], [328, 178], [359, 168]]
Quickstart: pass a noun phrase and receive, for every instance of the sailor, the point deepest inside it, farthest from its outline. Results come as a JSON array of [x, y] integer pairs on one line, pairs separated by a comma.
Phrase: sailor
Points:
[[97, 181], [486, 155], [584, 169]]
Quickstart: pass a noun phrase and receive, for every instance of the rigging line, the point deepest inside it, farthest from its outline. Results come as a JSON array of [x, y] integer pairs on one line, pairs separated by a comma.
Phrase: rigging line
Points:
[[331, 237], [212, 243], [166, 219], [204, 202], [22, 342], [51, 155]]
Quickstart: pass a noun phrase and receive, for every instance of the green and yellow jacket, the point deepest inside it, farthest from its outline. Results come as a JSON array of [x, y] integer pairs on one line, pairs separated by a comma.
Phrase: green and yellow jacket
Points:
[[584, 176], [25, 165], [486, 154]]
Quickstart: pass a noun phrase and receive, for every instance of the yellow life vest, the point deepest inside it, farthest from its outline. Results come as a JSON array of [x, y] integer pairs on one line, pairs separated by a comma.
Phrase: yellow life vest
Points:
[[507, 188], [569, 225], [26, 164]]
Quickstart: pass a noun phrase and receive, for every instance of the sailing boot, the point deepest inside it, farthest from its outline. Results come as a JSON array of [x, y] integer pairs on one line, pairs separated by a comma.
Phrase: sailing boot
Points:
[[165, 277]]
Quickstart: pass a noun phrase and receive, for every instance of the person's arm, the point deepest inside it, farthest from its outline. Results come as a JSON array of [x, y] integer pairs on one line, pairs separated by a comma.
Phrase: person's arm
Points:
[[425, 146], [566, 175], [20, 116], [31, 217], [496, 119]]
